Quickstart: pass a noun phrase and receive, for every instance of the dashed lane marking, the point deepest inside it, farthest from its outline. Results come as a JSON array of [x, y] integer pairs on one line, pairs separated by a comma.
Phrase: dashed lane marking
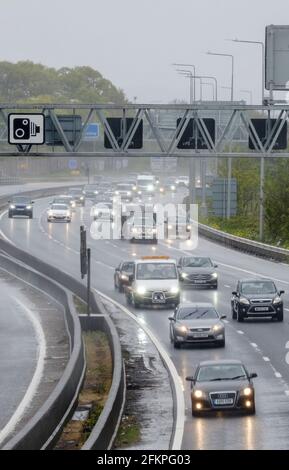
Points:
[[240, 332], [266, 359]]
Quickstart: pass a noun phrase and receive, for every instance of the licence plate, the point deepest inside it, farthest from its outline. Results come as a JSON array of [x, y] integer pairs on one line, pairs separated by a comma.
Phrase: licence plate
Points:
[[200, 282], [158, 299], [20, 208], [224, 401], [200, 335], [261, 309]]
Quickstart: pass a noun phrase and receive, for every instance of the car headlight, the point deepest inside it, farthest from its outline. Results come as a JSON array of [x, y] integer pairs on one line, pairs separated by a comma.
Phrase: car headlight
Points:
[[50, 213], [217, 327], [67, 213], [198, 393], [170, 227], [134, 188], [244, 301], [150, 187], [129, 193], [95, 192], [182, 328], [173, 187], [134, 230], [189, 227], [174, 290], [81, 198], [214, 275], [116, 192], [277, 300], [141, 290], [12, 206], [139, 192], [29, 207], [73, 204], [161, 190], [124, 277], [184, 275], [247, 391]]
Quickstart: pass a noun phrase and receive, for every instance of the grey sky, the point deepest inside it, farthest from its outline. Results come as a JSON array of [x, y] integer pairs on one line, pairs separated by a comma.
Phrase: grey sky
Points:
[[134, 42]]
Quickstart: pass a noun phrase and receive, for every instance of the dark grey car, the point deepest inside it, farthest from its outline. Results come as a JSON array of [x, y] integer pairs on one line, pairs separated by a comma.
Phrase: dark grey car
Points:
[[197, 322], [198, 271]]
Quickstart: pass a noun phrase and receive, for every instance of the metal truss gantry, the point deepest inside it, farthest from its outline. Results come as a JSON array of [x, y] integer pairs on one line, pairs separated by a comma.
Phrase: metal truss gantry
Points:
[[159, 144]]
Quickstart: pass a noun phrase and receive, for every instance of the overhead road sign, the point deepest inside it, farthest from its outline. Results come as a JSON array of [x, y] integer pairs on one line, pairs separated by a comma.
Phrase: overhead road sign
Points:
[[277, 57], [267, 130], [124, 130], [26, 129], [197, 134]]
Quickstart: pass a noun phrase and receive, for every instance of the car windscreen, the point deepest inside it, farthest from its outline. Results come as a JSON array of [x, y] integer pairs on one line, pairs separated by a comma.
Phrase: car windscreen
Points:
[[196, 262], [124, 187], [127, 267], [75, 192], [91, 187], [210, 373], [193, 313], [156, 271], [20, 200], [145, 182], [59, 207], [258, 287]]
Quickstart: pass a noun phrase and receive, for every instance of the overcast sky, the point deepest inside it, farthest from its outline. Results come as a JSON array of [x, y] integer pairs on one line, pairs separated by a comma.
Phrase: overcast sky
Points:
[[134, 42]]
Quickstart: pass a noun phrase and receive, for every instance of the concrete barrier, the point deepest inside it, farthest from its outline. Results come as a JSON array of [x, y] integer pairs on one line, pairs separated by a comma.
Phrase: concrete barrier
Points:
[[243, 244], [103, 433]]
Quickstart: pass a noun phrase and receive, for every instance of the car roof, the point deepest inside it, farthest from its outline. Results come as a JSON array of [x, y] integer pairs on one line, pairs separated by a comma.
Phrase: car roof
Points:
[[253, 279], [196, 304], [220, 362], [153, 260]]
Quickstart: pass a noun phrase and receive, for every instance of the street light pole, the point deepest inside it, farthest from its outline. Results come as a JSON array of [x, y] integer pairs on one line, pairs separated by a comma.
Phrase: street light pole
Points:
[[262, 161], [194, 68], [232, 73]]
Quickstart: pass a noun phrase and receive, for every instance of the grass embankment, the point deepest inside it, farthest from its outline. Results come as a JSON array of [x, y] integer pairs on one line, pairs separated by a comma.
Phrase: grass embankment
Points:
[[95, 390], [239, 226]]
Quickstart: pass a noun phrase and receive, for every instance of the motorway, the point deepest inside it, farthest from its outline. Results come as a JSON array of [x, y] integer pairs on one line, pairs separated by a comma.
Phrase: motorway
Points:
[[262, 345]]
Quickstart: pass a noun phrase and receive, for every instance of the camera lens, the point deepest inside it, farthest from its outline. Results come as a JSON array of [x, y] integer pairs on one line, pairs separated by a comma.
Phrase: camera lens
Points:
[[25, 122], [19, 133]]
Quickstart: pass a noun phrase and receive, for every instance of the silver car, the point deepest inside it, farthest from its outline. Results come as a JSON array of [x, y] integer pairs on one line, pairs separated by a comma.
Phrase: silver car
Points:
[[197, 322]]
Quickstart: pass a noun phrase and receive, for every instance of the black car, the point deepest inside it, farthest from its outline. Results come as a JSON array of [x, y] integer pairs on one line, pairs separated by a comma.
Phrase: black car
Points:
[[20, 205], [198, 271], [122, 273], [77, 195], [257, 298], [222, 385]]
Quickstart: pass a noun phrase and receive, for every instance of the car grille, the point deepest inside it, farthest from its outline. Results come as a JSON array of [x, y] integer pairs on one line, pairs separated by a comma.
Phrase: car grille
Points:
[[200, 277], [261, 306], [261, 301], [199, 330], [223, 395]]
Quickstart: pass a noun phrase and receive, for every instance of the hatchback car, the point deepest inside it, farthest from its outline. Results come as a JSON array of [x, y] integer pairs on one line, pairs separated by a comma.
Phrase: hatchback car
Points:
[[197, 323], [222, 385], [20, 205], [257, 298], [198, 271], [122, 274]]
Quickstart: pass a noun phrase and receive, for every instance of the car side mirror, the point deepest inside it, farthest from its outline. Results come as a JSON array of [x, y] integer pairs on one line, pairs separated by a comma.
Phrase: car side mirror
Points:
[[282, 292], [215, 265], [190, 379], [253, 375], [223, 316], [117, 270], [172, 318], [234, 292]]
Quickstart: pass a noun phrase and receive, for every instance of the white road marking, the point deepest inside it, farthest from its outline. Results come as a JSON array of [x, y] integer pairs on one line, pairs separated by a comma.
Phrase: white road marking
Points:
[[278, 375], [226, 321], [287, 345], [240, 332], [38, 373], [180, 415], [287, 309], [254, 345], [266, 359], [225, 285], [287, 393]]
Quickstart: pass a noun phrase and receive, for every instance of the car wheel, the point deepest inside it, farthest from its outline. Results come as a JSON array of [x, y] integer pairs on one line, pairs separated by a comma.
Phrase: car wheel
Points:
[[128, 299], [30, 216], [115, 284], [280, 316], [48, 220], [234, 315], [215, 286], [10, 216], [196, 414], [134, 303], [177, 344], [120, 288], [252, 411], [240, 316]]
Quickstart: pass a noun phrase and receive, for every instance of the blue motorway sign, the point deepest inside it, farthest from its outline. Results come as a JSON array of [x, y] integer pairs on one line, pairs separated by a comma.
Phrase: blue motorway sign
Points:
[[92, 131], [72, 164]]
